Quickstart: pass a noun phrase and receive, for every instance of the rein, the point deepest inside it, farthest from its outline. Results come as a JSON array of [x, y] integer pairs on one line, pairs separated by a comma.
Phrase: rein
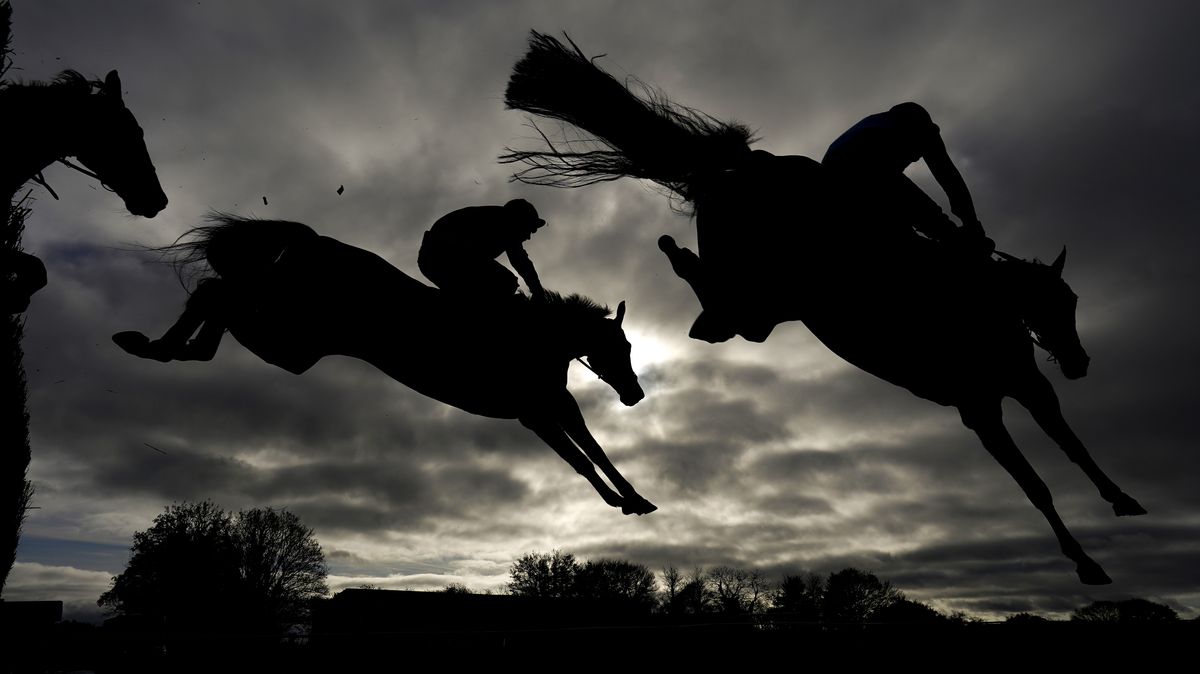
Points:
[[41, 179], [584, 363], [84, 171], [1033, 335]]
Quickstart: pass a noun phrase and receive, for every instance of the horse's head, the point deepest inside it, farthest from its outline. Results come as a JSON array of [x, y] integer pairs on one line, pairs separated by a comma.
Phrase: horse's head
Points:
[[608, 356], [1048, 310], [110, 144]]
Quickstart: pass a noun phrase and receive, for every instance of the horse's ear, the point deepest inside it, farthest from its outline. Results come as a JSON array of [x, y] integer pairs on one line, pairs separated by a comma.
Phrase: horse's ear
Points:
[[1060, 262], [112, 84], [620, 313]]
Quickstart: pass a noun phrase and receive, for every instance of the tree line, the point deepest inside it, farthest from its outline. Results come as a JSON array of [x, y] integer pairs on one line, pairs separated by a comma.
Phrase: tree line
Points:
[[848, 596], [199, 566]]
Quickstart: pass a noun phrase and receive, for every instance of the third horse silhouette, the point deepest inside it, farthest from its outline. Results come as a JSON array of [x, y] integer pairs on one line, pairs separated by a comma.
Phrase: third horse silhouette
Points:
[[785, 238], [70, 117], [293, 297]]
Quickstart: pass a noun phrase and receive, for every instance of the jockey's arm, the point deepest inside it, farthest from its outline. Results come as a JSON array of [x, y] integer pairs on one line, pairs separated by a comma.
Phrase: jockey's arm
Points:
[[944, 171], [524, 266]]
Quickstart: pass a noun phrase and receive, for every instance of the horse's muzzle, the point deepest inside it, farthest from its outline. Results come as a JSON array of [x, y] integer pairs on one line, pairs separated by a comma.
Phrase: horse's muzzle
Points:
[[632, 396], [147, 207], [1075, 368]]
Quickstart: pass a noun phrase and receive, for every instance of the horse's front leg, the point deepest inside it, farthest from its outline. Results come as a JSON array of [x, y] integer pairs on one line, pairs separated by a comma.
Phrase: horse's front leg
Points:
[[204, 312], [571, 419], [552, 434], [985, 419], [1037, 395]]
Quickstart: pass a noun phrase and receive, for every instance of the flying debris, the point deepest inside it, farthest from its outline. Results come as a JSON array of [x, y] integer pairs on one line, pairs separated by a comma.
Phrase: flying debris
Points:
[[264, 201], [341, 188]]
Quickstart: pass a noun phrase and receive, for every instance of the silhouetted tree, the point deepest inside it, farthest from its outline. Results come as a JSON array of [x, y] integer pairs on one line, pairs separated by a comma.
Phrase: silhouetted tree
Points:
[[559, 575], [798, 599], [684, 594], [738, 591], [280, 563], [616, 580], [544, 575], [855, 596], [1125, 611], [695, 596], [1025, 618], [907, 611], [672, 583], [198, 567]]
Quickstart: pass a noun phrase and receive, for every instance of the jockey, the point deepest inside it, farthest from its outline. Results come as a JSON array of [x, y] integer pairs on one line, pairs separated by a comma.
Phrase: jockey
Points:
[[871, 157], [458, 254]]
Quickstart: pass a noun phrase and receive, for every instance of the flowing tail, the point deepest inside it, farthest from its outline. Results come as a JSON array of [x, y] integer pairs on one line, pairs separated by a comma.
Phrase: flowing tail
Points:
[[646, 137], [229, 244]]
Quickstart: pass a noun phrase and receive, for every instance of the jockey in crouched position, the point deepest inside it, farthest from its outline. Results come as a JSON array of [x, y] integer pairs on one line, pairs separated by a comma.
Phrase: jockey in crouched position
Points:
[[869, 159], [458, 254], [865, 167]]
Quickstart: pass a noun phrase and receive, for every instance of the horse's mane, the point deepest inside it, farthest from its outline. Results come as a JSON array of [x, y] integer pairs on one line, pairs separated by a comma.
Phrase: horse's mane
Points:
[[71, 81], [624, 134], [574, 302]]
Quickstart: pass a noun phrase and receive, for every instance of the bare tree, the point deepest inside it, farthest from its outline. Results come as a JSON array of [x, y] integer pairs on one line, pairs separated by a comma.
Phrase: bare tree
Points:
[[738, 591]]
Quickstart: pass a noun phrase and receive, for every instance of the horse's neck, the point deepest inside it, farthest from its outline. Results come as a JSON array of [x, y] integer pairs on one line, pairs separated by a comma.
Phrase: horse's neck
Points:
[[560, 336], [43, 127], [1013, 285]]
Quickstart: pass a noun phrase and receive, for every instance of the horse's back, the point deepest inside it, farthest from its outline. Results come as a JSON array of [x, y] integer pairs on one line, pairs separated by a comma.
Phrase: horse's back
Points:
[[318, 295]]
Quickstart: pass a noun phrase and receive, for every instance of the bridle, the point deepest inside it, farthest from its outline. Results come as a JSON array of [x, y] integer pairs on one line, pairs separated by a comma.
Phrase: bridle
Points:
[[41, 179]]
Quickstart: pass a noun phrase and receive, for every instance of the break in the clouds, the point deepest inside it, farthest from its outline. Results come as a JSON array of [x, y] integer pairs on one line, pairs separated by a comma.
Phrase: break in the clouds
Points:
[[1072, 124]]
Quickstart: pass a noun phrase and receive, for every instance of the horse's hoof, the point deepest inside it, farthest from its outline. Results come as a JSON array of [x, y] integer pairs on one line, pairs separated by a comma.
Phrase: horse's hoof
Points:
[[1090, 573], [1126, 506], [131, 342], [666, 243], [139, 345], [637, 506]]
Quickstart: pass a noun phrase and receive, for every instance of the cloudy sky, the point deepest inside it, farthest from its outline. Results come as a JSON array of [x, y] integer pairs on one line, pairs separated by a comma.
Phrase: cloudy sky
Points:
[[1072, 124]]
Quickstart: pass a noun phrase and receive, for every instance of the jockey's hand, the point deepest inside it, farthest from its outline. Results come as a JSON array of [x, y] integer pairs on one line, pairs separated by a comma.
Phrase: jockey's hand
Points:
[[969, 240]]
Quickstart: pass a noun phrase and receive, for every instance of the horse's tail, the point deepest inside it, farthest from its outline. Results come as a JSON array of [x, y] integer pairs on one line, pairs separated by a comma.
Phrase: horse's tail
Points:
[[645, 136], [228, 245]]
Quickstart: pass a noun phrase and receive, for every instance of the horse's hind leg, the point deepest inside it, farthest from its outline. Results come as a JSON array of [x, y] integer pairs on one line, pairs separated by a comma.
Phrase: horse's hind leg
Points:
[[985, 419], [1037, 395], [202, 312]]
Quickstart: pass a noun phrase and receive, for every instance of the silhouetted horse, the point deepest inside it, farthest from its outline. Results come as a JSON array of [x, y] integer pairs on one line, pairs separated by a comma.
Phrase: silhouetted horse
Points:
[[70, 117], [293, 297], [778, 239]]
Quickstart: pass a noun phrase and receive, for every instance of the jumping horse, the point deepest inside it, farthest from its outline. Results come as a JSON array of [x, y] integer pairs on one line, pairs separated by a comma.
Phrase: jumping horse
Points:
[[778, 238], [292, 297], [70, 117]]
